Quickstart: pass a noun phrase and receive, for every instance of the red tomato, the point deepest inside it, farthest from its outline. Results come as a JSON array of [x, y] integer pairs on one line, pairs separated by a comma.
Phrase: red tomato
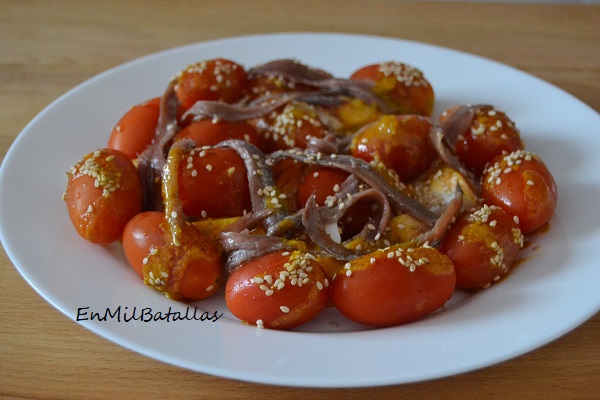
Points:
[[490, 134], [322, 182], [280, 290], [393, 286], [483, 245], [400, 142], [136, 129], [190, 270], [143, 233], [403, 87], [103, 193], [291, 127], [218, 79], [210, 133], [521, 184], [213, 183]]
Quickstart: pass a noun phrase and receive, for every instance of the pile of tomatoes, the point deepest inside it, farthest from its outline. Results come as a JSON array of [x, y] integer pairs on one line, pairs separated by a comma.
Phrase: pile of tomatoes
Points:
[[422, 208]]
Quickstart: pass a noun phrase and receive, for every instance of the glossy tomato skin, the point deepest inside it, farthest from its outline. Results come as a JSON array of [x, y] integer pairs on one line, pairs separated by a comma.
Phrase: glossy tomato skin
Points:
[[400, 142], [483, 244], [217, 79], [394, 286], [209, 133], [103, 193], [490, 134], [280, 290], [523, 186], [191, 270], [213, 183], [322, 182], [136, 129], [143, 232], [403, 87], [290, 127], [203, 263]]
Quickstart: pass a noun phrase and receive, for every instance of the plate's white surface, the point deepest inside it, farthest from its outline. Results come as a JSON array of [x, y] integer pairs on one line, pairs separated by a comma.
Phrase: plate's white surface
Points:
[[552, 293]]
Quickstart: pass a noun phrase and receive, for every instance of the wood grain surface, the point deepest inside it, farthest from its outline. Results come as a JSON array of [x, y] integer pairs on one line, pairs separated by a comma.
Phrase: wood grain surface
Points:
[[47, 47]]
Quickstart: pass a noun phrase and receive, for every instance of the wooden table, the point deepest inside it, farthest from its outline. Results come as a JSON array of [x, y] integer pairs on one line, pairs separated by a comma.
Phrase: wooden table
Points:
[[47, 47]]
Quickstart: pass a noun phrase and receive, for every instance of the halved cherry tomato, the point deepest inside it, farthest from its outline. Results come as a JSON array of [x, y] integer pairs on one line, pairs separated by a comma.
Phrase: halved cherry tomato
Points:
[[490, 134], [208, 133], [400, 142], [136, 129], [483, 245], [103, 193], [393, 286], [523, 186], [218, 79], [280, 290], [402, 86], [213, 183]]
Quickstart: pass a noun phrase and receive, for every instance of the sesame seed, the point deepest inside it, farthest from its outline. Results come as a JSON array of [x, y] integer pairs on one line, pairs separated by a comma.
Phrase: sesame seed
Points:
[[284, 309]]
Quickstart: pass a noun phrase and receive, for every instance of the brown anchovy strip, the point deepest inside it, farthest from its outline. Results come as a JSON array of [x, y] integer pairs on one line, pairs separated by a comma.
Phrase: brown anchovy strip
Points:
[[242, 246], [153, 158], [436, 137], [365, 172], [311, 219], [207, 109], [457, 123], [329, 144], [296, 72], [435, 234], [259, 176]]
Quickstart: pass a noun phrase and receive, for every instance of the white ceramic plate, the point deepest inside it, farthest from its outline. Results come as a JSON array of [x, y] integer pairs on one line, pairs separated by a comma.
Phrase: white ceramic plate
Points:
[[552, 293]]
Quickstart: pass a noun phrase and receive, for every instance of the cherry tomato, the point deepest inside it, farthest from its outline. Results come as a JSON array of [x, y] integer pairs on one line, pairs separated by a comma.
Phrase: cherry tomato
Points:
[[103, 193], [143, 233], [393, 286], [400, 142], [280, 290], [322, 182], [209, 133], [291, 127], [199, 268], [521, 184], [402, 86], [190, 270], [213, 183], [288, 175], [483, 245], [136, 129], [490, 134], [218, 79]]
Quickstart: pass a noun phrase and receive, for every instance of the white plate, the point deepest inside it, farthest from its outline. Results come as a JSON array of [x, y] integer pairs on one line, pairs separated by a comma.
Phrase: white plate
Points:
[[552, 293]]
